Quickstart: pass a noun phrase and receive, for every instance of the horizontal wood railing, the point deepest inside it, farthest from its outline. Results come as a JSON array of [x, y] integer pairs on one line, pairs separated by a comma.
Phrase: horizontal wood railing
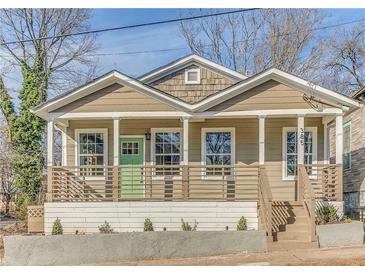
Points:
[[153, 183], [326, 180]]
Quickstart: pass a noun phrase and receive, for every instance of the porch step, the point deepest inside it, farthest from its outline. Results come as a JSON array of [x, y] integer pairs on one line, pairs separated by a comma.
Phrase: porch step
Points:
[[295, 227], [293, 236], [291, 245]]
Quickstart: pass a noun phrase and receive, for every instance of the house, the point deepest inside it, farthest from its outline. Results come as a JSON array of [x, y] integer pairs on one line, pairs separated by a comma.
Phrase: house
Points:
[[353, 156], [197, 141]]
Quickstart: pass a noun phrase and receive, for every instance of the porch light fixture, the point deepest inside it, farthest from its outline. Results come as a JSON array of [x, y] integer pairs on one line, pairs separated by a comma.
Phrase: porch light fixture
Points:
[[147, 135]]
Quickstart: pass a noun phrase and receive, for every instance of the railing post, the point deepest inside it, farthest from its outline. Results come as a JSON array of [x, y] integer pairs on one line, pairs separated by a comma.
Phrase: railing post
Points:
[[300, 188], [340, 183], [49, 184], [115, 183], [185, 182]]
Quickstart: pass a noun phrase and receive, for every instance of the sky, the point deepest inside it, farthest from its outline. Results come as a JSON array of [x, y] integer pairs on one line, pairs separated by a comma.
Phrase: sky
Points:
[[150, 38]]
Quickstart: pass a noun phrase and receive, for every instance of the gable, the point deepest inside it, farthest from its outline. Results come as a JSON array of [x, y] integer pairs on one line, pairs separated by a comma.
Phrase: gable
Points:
[[115, 98], [269, 95], [210, 83]]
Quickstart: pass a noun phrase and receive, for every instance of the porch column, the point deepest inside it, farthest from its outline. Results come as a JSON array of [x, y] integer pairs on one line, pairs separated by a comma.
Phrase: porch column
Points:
[[300, 140], [50, 145], [339, 139], [64, 145], [185, 141], [116, 141], [261, 140]]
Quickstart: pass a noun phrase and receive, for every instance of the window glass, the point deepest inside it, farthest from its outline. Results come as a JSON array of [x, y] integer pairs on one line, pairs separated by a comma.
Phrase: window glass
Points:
[[192, 76], [130, 148], [91, 153], [167, 152]]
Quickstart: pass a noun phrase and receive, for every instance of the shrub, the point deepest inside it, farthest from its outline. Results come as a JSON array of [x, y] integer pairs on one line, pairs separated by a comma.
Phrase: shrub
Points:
[[326, 214], [21, 204], [57, 227], [148, 226], [185, 226], [105, 228], [242, 224]]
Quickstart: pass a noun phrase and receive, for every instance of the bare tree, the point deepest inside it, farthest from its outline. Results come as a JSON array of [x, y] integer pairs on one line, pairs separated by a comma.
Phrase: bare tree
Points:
[[345, 62], [256, 40], [63, 58]]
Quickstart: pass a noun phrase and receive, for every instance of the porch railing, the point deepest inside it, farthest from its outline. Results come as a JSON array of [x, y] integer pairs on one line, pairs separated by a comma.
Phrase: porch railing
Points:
[[265, 203], [308, 198], [153, 183]]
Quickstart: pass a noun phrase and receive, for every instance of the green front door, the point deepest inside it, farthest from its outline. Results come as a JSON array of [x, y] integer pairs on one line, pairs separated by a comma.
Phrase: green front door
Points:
[[131, 161]]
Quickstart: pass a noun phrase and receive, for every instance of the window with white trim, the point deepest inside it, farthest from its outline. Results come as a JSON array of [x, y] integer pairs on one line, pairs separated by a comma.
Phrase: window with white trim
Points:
[[166, 147], [91, 150], [290, 150], [218, 150], [347, 145], [192, 76]]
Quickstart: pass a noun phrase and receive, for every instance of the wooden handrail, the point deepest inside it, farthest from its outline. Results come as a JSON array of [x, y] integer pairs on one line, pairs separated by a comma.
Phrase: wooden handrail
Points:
[[265, 202], [308, 199]]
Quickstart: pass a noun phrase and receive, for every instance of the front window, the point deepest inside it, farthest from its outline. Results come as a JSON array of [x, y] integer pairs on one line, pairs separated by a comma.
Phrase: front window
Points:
[[167, 151], [291, 149], [347, 145], [218, 151], [91, 151]]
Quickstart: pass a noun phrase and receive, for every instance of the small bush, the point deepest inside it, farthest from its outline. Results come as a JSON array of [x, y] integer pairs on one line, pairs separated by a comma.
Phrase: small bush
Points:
[[326, 214], [105, 228], [57, 227], [148, 226], [185, 226], [21, 205], [242, 224]]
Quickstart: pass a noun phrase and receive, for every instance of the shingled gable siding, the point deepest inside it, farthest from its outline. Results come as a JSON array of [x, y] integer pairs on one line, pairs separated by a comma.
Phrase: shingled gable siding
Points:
[[269, 95], [116, 98], [210, 83]]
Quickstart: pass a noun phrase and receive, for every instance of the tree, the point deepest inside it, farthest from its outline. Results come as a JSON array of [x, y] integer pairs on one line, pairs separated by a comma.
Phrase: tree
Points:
[[254, 41], [345, 62], [42, 62]]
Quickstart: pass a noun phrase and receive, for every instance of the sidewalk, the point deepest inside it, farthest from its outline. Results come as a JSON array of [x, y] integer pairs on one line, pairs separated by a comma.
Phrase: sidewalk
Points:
[[329, 256]]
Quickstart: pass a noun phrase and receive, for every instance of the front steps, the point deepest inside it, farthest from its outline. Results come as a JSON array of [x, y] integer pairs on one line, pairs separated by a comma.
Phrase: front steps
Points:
[[290, 226]]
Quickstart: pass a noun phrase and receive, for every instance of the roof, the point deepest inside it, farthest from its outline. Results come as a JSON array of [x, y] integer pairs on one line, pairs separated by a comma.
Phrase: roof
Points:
[[208, 102], [358, 92], [188, 60]]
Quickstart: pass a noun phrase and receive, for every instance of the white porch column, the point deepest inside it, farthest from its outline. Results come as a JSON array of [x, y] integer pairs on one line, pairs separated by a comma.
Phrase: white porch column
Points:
[[116, 141], [339, 138], [50, 142], [325, 142], [261, 140], [300, 140], [185, 141]]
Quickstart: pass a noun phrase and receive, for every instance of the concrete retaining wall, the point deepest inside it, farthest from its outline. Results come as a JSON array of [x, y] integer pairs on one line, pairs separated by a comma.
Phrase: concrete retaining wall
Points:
[[130, 216], [348, 234], [104, 248]]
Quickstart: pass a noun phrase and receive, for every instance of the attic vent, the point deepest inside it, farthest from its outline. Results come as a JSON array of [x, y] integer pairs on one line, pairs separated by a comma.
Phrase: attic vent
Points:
[[192, 76]]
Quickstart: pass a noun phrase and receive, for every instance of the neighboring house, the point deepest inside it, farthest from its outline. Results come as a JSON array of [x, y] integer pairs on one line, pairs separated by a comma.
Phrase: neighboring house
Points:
[[198, 141], [354, 156]]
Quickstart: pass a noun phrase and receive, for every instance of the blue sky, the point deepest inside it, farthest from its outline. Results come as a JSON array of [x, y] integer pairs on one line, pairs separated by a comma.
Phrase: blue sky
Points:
[[150, 38]]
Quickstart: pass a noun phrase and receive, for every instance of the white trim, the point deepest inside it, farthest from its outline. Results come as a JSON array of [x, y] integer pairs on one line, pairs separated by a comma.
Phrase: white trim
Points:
[[116, 133], [189, 82], [261, 140], [272, 74], [190, 60], [50, 142], [77, 141], [185, 141], [300, 140], [204, 131], [168, 129], [207, 114], [339, 139], [144, 144], [64, 144], [284, 149]]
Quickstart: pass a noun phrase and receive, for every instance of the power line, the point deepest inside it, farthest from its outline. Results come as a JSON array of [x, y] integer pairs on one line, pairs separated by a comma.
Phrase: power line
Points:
[[130, 26], [208, 45]]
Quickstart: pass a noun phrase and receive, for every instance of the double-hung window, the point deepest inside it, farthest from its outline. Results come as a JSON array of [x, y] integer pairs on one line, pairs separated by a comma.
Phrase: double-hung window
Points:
[[347, 145], [218, 150], [91, 151], [166, 148], [290, 150]]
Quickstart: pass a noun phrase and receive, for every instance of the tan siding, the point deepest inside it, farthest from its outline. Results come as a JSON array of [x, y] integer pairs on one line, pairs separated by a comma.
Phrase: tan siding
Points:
[[246, 142], [211, 82], [269, 95], [115, 98]]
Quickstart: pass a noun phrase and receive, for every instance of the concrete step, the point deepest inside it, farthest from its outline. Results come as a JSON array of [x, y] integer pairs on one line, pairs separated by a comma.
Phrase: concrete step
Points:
[[291, 245], [293, 235], [297, 228], [297, 220]]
